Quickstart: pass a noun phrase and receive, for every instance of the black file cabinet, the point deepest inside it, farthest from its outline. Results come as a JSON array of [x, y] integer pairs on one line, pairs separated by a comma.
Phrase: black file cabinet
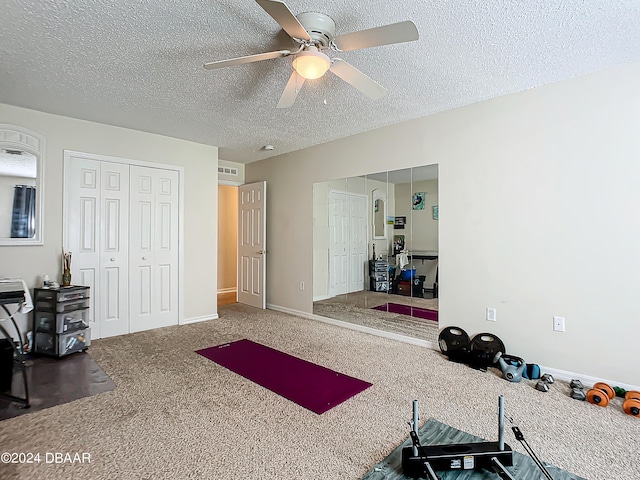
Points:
[[61, 320]]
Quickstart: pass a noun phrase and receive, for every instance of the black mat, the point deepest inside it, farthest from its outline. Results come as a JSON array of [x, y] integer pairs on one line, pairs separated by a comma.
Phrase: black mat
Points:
[[53, 381], [436, 433]]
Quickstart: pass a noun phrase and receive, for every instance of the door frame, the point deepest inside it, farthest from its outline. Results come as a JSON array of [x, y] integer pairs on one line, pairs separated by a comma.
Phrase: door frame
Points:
[[165, 166], [230, 183]]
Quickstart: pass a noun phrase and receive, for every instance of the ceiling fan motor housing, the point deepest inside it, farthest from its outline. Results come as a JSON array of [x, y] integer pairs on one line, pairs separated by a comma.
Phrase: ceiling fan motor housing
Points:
[[320, 27]]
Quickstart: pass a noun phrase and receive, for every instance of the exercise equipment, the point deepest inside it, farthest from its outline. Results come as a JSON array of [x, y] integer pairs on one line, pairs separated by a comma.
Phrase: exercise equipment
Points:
[[485, 350], [548, 378], [512, 367], [454, 342], [544, 382], [532, 372], [576, 384], [423, 460], [480, 352], [600, 394], [632, 394], [578, 394], [542, 386], [577, 390], [620, 392], [631, 404]]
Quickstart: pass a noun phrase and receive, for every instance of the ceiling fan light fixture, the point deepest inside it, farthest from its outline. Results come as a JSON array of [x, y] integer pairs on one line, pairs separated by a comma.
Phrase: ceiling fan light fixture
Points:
[[311, 63]]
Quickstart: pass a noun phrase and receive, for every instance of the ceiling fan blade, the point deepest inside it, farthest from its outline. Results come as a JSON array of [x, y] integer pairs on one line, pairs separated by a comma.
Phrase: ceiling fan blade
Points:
[[291, 90], [374, 37], [281, 14], [357, 79], [247, 59]]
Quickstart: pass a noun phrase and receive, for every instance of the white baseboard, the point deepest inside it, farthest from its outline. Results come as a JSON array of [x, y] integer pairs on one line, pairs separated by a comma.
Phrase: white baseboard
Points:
[[558, 374], [353, 326], [586, 380], [204, 318], [227, 290]]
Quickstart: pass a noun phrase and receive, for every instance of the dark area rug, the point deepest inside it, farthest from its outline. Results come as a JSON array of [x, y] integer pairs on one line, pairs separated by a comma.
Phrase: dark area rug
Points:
[[52, 381], [435, 433], [309, 385], [409, 310]]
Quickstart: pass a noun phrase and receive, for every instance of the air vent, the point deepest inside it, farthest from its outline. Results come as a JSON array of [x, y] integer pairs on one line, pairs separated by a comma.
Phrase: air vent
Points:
[[228, 171]]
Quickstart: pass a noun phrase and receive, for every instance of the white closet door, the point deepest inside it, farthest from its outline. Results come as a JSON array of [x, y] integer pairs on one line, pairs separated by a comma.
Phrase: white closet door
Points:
[[358, 245], [114, 249], [338, 243], [96, 220], [153, 248]]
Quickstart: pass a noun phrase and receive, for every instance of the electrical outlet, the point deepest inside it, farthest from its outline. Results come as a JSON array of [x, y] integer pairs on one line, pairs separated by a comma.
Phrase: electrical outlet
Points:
[[301, 285], [491, 314], [558, 324]]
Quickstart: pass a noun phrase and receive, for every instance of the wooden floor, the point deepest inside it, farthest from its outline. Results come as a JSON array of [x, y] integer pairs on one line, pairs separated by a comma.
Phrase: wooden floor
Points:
[[226, 298]]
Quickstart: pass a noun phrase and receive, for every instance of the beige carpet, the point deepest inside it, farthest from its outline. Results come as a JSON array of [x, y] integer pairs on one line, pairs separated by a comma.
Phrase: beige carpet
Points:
[[357, 308], [177, 415]]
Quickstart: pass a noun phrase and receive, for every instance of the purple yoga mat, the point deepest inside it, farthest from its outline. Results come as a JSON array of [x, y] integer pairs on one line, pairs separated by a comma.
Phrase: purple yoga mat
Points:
[[307, 384], [409, 310]]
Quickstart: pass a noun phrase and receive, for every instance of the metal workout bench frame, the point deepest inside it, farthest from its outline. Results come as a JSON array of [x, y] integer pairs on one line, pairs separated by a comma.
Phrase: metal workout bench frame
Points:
[[422, 460]]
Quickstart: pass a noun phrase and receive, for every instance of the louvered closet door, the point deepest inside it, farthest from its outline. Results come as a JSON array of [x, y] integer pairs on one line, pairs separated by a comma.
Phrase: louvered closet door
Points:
[[153, 248], [96, 233]]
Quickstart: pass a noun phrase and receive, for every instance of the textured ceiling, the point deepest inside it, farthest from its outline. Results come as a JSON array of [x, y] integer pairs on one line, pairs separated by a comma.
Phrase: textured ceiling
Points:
[[138, 64]]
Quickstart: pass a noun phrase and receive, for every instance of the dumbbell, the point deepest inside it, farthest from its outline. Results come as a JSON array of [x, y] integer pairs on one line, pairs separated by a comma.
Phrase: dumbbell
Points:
[[600, 394], [577, 391], [544, 382], [631, 405]]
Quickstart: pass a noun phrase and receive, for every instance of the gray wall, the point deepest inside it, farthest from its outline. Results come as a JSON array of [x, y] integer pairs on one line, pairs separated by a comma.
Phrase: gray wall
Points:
[[538, 199]]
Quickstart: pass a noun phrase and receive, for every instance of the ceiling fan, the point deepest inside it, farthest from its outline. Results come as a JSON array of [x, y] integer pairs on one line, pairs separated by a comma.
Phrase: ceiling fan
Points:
[[314, 34]]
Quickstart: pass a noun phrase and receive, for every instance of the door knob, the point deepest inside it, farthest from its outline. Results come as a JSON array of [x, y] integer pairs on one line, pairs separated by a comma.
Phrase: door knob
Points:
[[260, 252], [144, 258], [112, 259]]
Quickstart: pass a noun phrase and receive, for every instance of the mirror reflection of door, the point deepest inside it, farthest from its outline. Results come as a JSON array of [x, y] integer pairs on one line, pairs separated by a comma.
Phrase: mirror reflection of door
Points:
[[389, 196], [378, 218]]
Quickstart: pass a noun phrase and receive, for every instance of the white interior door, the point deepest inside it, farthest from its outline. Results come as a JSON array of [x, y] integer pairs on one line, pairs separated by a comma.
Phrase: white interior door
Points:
[[153, 257], [338, 243], [96, 206], [357, 243], [252, 244]]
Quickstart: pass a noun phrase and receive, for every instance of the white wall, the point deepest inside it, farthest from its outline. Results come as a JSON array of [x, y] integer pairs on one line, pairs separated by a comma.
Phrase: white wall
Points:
[[538, 193], [200, 197]]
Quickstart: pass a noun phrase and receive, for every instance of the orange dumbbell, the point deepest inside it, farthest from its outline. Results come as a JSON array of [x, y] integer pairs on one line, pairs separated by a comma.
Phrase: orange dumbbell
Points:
[[631, 405], [600, 394]]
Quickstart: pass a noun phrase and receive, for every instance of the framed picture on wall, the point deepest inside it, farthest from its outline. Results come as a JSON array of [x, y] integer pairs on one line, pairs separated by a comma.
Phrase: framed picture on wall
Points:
[[398, 244], [399, 223], [435, 212], [418, 200]]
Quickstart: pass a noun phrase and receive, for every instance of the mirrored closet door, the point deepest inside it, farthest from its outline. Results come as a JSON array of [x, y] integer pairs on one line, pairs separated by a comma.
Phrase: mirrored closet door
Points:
[[376, 251]]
